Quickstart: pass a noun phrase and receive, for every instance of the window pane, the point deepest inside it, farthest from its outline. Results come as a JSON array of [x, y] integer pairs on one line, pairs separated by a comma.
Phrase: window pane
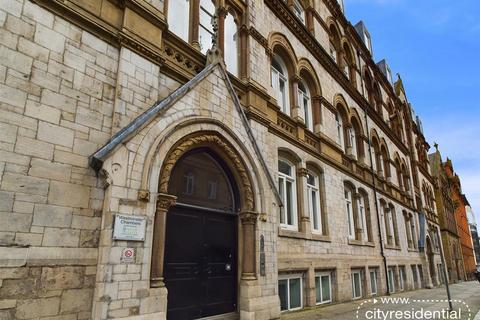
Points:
[[373, 282], [326, 289], [231, 45], [284, 168], [205, 39], [295, 293], [314, 209], [178, 12], [318, 289], [356, 285], [289, 203], [282, 292]]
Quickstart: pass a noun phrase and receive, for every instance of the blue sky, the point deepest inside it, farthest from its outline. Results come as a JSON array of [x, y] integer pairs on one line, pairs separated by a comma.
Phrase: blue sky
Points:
[[435, 46]]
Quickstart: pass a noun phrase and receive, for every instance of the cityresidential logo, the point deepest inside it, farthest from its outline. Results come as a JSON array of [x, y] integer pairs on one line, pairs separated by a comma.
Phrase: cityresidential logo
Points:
[[412, 309]]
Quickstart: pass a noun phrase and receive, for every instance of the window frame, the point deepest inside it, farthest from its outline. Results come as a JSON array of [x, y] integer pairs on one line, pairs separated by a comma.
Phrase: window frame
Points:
[[349, 211], [315, 188], [305, 102], [299, 12], [294, 206], [373, 281], [340, 130], [391, 280], [288, 277], [359, 272], [320, 275], [280, 75]]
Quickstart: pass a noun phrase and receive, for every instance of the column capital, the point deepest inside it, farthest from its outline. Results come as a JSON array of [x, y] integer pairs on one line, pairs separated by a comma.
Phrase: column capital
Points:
[[165, 201], [302, 172], [248, 217]]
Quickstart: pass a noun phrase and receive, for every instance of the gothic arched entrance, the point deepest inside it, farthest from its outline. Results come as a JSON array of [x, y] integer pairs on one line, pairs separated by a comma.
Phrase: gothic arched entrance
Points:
[[204, 230], [200, 267]]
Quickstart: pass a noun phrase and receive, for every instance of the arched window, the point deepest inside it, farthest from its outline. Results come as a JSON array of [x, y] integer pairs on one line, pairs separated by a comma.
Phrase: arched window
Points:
[[280, 84], [305, 102], [334, 43], [179, 23], [385, 161], [191, 20], [314, 206], [348, 196], [288, 191], [348, 64], [231, 47]]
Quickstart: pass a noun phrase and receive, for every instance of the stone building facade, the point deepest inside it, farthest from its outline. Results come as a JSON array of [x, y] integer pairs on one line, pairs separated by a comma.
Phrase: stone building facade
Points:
[[462, 221], [313, 151], [474, 232], [448, 225]]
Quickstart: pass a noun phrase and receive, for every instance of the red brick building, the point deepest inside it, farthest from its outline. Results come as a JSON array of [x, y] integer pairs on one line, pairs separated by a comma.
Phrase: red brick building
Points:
[[462, 222]]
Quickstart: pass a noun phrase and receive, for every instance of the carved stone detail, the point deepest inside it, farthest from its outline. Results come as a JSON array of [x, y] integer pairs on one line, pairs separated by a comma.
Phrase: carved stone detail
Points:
[[248, 217], [165, 201], [233, 158]]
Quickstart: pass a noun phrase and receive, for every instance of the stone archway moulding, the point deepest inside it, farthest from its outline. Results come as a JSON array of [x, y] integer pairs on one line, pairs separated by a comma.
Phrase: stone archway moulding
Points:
[[212, 139], [248, 217]]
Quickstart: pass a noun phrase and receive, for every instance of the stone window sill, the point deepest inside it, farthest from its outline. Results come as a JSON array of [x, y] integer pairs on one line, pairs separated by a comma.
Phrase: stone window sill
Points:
[[391, 247], [302, 235], [360, 243]]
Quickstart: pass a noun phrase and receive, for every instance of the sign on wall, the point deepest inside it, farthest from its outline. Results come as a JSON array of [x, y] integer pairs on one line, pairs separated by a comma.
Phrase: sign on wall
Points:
[[128, 256], [131, 228]]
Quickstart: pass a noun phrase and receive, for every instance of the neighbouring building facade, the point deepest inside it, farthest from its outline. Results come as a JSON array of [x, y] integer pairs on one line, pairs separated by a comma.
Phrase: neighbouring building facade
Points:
[[462, 221], [448, 225], [474, 232], [148, 174]]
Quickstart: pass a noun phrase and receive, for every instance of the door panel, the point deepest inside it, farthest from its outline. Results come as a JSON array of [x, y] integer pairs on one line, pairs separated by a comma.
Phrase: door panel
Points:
[[200, 263]]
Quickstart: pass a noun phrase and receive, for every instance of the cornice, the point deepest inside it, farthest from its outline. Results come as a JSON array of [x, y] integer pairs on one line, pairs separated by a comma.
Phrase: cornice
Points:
[[281, 10]]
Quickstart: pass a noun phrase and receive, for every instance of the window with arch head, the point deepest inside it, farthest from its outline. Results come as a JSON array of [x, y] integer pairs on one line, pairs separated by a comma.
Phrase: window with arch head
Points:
[[280, 84], [288, 192], [305, 102], [353, 141], [231, 45], [198, 30], [314, 205]]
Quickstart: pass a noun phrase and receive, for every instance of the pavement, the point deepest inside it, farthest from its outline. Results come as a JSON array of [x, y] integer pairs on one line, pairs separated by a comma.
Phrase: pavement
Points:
[[410, 305]]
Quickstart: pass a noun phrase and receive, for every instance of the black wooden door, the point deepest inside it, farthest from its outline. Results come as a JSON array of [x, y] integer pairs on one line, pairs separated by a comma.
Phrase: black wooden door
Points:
[[200, 263]]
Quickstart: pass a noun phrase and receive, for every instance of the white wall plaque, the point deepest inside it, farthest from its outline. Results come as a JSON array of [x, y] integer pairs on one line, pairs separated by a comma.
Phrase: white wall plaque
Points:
[[130, 228]]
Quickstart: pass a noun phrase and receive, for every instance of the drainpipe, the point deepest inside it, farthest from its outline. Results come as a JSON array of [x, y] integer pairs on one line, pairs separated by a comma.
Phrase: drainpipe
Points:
[[382, 251]]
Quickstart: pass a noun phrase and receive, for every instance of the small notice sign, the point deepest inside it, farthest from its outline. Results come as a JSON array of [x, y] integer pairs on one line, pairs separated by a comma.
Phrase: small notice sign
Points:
[[128, 256], [131, 228]]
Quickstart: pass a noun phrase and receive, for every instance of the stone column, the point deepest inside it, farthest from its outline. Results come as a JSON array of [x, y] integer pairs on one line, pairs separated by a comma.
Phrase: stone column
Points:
[[304, 216], [222, 14], [317, 113], [194, 24], [249, 220], [349, 148], [164, 202], [296, 112]]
